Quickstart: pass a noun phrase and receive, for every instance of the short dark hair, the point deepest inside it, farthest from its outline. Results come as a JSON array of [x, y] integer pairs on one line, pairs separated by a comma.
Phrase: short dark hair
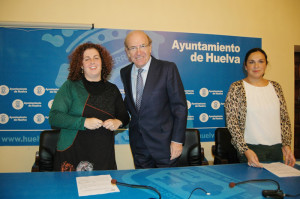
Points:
[[76, 58], [252, 51]]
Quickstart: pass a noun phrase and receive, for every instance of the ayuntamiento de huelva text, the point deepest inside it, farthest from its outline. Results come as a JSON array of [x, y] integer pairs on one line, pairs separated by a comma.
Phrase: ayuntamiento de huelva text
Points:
[[209, 56]]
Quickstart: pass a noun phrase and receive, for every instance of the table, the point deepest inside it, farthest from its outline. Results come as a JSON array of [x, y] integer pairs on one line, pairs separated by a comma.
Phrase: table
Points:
[[172, 183]]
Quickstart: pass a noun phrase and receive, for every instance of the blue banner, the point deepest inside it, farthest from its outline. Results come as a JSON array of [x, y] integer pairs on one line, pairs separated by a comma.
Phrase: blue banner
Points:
[[34, 64]]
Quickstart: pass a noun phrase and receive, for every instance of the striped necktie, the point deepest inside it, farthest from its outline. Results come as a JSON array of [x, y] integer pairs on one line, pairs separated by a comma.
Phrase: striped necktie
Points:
[[139, 89]]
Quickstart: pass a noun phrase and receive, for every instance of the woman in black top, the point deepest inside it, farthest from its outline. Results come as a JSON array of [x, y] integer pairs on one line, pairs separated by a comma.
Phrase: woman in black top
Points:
[[87, 109]]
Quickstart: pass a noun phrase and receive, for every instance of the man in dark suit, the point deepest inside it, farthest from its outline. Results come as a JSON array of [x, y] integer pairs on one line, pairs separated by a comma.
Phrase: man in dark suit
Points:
[[155, 99]]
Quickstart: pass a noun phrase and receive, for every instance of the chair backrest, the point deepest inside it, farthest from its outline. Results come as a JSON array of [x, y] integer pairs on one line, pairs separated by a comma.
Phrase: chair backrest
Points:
[[191, 152], [223, 146], [47, 148]]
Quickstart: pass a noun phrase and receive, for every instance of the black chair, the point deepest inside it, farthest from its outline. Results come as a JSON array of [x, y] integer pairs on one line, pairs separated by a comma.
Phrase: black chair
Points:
[[44, 157], [192, 152], [223, 150]]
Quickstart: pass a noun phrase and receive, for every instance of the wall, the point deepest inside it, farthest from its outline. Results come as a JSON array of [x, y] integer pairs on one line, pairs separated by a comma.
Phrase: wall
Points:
[[275, 21]]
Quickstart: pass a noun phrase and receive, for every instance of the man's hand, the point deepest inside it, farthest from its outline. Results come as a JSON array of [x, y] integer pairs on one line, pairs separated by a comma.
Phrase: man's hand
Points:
[[176, 150]]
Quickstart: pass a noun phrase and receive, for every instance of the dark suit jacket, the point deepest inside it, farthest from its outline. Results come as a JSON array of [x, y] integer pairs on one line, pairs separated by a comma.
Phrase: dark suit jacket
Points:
[[163, 113]]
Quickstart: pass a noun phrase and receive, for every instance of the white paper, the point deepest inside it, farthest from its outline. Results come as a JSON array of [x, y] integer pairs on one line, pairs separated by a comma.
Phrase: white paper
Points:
[[281, 170], [93, 185]]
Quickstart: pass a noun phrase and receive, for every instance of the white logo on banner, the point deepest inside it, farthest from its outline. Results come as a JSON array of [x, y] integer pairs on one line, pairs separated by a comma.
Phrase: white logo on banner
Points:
[[189, 92], [17, 104], [190, 117], [39, 90], [50, 104], [215, 104], [3, 118], [203, 117], [203, 92], [188, 104], [39, 118], [4, 90]]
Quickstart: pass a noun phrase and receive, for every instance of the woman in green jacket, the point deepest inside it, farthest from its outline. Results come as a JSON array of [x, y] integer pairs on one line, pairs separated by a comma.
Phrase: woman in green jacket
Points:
[[87, 108]]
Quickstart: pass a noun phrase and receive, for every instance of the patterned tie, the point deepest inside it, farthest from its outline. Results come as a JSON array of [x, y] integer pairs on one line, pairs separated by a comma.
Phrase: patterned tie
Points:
[[139, 89]]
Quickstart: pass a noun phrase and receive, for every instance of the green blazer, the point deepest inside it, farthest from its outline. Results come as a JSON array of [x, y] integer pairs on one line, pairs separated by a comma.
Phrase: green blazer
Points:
[[66, 112]]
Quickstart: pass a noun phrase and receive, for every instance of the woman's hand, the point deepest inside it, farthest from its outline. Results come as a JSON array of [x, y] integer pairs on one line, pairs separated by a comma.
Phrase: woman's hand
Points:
[[92, 123], [289, 158], [112, 124], [252, 159]]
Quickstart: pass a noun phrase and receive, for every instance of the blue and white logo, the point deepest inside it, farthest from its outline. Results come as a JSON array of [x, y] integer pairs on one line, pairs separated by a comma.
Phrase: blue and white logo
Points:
[[188, 104], [39, 90], [17, 104], [3, 118], [215, 105], [39, 118], [203, 92], [4, 90], [50, 103], [203, 117]]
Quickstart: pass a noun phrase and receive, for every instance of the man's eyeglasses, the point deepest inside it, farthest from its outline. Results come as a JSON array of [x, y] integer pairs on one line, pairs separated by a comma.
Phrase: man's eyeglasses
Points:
[[133, 49]]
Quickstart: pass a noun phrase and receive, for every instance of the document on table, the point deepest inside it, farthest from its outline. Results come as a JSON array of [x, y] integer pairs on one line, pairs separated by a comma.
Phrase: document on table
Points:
[[281, 170], [93, 185]]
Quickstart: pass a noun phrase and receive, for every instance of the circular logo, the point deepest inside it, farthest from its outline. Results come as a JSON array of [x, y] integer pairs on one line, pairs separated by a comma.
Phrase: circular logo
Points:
[[4, 90], [50, 104], [17, 104], [39, 118], [39, 90], [203, 117], [203, 92], [188, 104], [215, 104], [3, 118]]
